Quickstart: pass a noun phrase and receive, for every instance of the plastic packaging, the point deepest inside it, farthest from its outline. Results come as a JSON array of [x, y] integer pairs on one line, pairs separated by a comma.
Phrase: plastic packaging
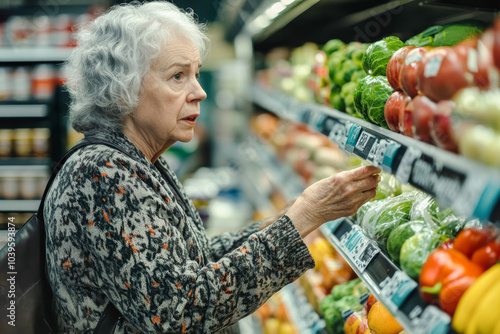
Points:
[[402, 233], [417, 249], [381, 217]]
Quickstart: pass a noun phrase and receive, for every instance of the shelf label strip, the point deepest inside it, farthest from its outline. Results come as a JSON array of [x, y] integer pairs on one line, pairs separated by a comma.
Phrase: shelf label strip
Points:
[[360, 249], [404, 170], [396, 289]]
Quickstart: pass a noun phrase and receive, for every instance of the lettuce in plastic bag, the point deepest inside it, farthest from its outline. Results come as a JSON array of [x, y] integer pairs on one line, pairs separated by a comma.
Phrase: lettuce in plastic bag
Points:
[[402, 233], [417, 249], [384, 215]]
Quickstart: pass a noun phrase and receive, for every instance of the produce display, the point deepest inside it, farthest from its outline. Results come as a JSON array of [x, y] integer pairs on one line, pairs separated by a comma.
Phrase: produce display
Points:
[[440, 87]]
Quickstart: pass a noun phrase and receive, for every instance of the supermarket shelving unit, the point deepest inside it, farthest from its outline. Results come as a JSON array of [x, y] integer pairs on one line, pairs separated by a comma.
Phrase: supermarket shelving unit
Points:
[[468, 187], [33, 114]]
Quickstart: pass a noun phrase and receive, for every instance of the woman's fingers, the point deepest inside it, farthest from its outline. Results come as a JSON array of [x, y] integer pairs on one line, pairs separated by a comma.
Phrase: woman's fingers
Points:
[[363, 172]]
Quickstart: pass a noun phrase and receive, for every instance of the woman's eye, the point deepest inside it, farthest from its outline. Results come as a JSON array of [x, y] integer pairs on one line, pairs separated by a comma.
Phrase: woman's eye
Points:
[[197, 76], [177, 76]]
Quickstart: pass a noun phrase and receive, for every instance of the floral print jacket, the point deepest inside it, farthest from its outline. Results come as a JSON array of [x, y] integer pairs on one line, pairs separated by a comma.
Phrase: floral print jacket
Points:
[[121, 229]]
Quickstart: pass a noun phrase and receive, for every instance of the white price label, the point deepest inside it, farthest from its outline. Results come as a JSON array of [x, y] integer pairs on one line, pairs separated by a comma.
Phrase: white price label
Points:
[[338, 135], [377, 153], [396, 288], [431, 321], [363, 140], [359, 249], [405, 166]]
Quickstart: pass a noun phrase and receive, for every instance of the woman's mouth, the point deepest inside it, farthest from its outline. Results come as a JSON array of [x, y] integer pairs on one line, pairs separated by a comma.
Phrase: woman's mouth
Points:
[[190, 119]]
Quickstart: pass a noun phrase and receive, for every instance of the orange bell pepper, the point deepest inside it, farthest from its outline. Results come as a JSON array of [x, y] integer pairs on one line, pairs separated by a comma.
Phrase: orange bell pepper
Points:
[[445, 276]]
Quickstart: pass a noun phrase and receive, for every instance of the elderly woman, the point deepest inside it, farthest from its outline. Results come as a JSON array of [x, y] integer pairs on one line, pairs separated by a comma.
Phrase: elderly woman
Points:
[[120, 228]]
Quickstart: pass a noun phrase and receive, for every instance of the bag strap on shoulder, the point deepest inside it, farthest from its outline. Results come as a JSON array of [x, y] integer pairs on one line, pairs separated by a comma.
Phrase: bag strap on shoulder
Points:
[[111, 315]]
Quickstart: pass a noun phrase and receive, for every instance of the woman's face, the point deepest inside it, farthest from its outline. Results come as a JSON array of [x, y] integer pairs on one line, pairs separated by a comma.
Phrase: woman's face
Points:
[[170, 95]]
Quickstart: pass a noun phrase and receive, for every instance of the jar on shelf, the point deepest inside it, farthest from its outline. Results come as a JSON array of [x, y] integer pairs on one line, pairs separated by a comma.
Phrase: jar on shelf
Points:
[[21, 84], [6, 138], [41, 183], [22, 142], [10, 185], [5, 83], [42, 82], [28, 186], [41, 138], [43, 26]]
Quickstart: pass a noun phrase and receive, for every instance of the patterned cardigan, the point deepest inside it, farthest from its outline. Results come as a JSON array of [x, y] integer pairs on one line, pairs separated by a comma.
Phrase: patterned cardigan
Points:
[[121, 229]]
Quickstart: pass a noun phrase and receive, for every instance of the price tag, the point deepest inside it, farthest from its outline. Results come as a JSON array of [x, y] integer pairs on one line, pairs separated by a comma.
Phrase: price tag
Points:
[[377, 153], [467, 200], [389, 156], [352, 137], [431, 321], [326, 124], [358, 248], [365, 145], [404, 169], [338, 135], [397, 288]]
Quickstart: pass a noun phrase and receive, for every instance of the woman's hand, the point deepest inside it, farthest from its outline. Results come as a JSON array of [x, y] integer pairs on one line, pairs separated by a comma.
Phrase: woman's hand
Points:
[[340, 195]]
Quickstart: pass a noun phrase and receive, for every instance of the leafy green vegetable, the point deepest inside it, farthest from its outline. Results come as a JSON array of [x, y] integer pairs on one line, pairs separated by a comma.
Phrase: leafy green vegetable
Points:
[[335, 62], [455, 33], [345, 73], [342, 290], [388, 186], [332, 312], [416, 250], [425, 38], [400, 234], [370, 97], [333, 45], [378, 54], [347, 93]]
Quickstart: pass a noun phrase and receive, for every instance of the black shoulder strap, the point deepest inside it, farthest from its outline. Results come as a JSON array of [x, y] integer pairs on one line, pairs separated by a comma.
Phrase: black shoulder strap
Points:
[[111, 315]]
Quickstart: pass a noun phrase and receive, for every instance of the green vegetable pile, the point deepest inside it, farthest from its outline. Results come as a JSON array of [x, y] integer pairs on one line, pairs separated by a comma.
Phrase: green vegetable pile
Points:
[[409, 226], [344, 64], [343, 300]]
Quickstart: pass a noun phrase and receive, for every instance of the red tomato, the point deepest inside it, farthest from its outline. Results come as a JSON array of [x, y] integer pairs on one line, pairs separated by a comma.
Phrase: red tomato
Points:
[[470, 239], [393, 107], [488, 255], [395, 66], [442, 73]]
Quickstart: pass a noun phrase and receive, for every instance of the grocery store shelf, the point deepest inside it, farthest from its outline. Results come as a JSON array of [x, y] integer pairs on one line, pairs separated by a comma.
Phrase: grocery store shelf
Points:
[[21, 205], [28, 163], [23, 110], [386, 281], [468, 187], [389, 284], [34, 54], [300, 311]]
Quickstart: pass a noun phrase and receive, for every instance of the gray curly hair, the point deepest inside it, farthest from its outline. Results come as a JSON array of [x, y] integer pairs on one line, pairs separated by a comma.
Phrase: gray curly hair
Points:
[[105, 71]]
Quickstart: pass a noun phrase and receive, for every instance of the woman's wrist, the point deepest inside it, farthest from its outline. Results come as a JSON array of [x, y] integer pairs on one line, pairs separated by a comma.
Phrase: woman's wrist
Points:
[[303, 221]]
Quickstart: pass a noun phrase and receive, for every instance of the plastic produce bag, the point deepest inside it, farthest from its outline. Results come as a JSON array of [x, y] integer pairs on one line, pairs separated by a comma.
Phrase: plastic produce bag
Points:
[[388, 186], [417, 249], [383, 216], [402, 233]]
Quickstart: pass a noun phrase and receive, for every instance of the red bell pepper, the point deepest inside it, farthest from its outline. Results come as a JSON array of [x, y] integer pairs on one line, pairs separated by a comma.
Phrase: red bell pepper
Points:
[[445, 276]]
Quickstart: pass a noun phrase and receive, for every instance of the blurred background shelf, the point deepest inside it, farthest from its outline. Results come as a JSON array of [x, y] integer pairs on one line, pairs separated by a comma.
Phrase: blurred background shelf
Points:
[[34, 54], [19, 205]]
